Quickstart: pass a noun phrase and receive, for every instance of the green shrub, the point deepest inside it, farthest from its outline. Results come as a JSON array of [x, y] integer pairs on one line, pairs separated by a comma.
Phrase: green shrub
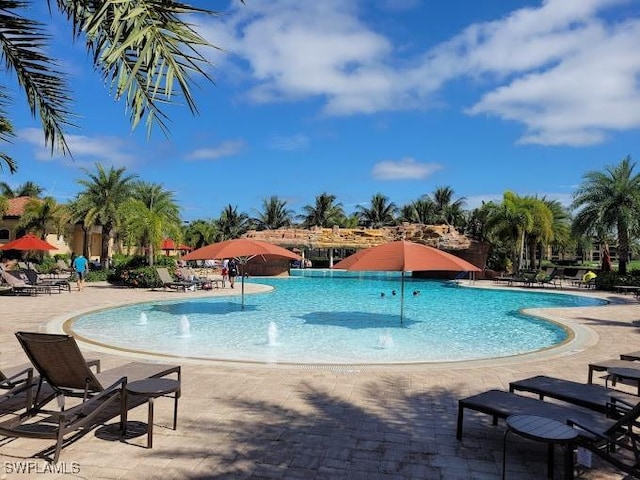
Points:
[[144, 277], [97, 275]]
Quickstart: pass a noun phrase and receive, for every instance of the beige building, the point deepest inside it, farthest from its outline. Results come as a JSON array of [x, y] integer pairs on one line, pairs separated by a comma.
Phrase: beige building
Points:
[[10, 230]]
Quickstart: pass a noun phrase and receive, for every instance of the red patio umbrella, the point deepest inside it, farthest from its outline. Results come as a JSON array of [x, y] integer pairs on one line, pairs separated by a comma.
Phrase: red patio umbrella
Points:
[[243, 250], [403, 256], [28, 242]]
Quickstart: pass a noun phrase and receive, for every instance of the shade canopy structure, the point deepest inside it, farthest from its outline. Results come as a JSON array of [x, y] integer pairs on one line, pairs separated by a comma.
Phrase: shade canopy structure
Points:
[[168, 244], [28, 242], [403, 256], [243, 250]]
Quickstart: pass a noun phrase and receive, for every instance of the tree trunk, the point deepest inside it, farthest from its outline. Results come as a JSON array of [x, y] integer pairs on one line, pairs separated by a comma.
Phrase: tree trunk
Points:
[[532, 253], [623, 247], [104, 247]]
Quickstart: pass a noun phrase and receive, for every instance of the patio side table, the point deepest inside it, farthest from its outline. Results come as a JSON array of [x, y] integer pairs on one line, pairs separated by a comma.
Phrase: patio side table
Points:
[[152, 388], [545, 430]]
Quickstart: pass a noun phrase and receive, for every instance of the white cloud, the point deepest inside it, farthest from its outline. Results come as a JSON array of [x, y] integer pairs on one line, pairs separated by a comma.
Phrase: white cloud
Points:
[[405, 169], [86, 151], [289, 143], [225, 149], [560, 69]]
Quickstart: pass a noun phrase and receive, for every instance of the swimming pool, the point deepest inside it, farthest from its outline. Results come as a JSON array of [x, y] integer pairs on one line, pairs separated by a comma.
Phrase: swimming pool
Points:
[[340, 319]]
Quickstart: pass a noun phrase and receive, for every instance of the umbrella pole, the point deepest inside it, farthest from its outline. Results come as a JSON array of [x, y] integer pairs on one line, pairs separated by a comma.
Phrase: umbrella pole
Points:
[[401, 296], [242, 293]]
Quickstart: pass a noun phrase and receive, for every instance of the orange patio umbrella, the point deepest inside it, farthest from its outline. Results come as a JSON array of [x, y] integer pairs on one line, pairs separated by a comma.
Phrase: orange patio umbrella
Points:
[[403, 256], [28, 242], [243, 250]]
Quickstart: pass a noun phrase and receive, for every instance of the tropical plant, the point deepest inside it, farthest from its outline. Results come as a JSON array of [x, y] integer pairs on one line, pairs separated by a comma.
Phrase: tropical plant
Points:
[[146, 51], [27, 189], [44, 216], [510, 221], [380, 213], [6, 134], [274, 214], [101, 200], [151, 214], [421, 211], [200, 233], [540, 232], [325, 213], [609, 201], [448, 211], [4, 205], [231, 223]]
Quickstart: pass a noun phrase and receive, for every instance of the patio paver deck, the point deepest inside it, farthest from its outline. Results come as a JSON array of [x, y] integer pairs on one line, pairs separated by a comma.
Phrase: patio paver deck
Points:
[[312, 422]]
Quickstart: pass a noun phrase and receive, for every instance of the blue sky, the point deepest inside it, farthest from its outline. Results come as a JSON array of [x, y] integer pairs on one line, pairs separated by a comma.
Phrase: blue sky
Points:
[[367, 96]]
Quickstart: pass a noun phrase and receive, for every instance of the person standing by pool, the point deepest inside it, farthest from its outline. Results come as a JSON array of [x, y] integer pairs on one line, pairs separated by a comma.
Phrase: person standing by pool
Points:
[[80, 266], [232, 268]]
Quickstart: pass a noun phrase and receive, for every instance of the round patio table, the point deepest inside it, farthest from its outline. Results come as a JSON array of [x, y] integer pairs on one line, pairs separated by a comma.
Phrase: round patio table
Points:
[[545, 430]]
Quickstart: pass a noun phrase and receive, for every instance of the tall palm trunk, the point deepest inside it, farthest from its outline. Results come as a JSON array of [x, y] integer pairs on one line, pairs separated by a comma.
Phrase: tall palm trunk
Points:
[[623, 247], [104, 246]]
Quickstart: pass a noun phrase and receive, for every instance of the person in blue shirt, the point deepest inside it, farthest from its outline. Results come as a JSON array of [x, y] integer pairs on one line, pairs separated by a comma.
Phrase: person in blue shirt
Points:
[[81, 267]]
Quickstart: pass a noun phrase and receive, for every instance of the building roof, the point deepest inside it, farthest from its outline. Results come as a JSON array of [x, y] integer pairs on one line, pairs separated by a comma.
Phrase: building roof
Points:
[[15, 206]]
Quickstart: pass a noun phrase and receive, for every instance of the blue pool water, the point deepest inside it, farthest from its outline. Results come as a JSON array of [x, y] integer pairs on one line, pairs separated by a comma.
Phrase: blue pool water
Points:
[[336, 320]]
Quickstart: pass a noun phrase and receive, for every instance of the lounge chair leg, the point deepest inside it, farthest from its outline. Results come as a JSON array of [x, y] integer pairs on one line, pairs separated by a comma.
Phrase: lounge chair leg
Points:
[[504, 453], [460, 419]]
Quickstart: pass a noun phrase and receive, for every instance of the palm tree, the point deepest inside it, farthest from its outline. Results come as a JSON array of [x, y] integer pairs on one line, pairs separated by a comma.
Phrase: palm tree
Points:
[[145, 50], [541, 230], [510, 221], [562, 239], [151, 214], [200, 233], [232, 224], [448, 211], [380, 213], [609, 200], [6, 134], [325, 213], [27, 189], [421, 211], [274, 214], [104, 193], [43, 217]]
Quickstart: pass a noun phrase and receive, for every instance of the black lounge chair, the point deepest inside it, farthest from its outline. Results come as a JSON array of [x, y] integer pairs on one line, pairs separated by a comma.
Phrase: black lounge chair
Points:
[[593, 397], [64, 372], [613, 439]]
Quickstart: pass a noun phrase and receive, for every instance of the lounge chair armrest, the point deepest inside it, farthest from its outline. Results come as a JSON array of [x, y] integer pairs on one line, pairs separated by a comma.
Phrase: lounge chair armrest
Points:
[[94, 363], [16, 378], [87, 406], [590, 432]]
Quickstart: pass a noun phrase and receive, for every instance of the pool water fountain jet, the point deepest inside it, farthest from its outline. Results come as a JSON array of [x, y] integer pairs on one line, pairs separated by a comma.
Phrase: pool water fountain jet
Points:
[[184, 327], [385, 340], [272, 334], [143, 319]]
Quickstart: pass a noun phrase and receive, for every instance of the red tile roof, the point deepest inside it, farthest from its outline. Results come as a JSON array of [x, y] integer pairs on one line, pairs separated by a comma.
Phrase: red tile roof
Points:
[[15, 206]]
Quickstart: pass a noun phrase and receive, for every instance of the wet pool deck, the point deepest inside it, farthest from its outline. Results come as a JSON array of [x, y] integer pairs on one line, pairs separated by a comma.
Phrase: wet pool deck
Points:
[[313, 422]]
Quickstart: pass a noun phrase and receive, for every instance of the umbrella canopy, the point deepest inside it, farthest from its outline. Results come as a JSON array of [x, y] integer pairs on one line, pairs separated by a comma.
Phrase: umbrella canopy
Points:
[[243, 250], [28, 242], [403, 256]]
